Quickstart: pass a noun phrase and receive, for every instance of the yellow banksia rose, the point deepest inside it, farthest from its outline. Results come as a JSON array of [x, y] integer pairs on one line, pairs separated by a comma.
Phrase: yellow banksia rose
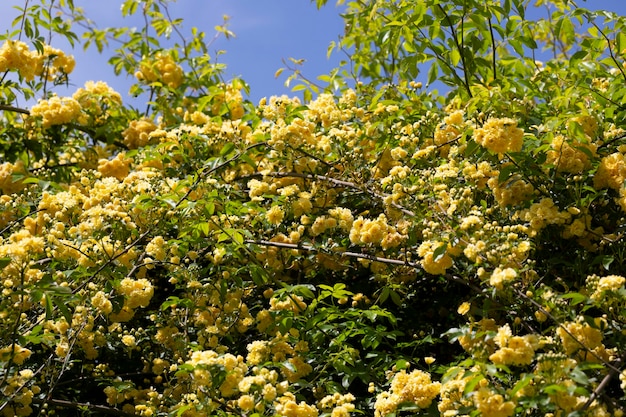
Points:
[[570, 156], [500, 276], [492, 404], [415, 387], [8, 183], [137, 134], [161, 68], [56, 111], [118, 167], [611, 172], [464, 308], [50, 64], [435, 264], [500, 135]]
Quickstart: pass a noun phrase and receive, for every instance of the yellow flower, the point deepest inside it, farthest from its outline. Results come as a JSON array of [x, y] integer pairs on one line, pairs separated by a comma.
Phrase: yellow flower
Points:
[[7, 183], [102, 302], [118, 167], [416, 388], [610, 283], [569, 156], [258, 352], [501, 276], [162, 68], [517, 350], [246, 403], [275, 215], [464, 308], [431, 264], [56, 111], [138, 292], [493, 405], [576, 336], [16, 353], [286, 406], [611, 172], [500, 135], [138, 133], [129, 340]]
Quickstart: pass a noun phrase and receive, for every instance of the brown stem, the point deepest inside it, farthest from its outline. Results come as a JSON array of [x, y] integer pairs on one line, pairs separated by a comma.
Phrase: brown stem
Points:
[[335, 181], [6, 107], [91, 407], [613, 372], [554, 319], [348, 254]]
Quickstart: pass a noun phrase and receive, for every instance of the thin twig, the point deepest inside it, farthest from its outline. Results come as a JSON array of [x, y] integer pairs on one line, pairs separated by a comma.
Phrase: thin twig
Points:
[[558, 323], [6, 107], [346, 253], [493, 50], [332, 180], [613, 372], [459, 47], [92, 407]]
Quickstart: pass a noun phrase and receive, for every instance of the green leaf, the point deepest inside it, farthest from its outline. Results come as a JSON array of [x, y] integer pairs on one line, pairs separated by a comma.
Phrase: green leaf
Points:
[[4, 262], [227, 149], [506, 172], [521, 383], [440, 252], [576, 298]]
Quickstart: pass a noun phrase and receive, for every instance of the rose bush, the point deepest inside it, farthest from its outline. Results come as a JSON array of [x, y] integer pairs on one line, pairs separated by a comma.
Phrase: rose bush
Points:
[[375, 247]]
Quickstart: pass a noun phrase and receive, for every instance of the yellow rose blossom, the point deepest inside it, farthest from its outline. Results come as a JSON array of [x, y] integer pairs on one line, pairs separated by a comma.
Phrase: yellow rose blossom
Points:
[[287, 406], [579, 335], [500, 135], [492, 404], [118, 167], [56, 111], [137, 134], [464, 308], [416, 388], [138, 292], [499, 277], [611, 173], [102, 303], [161, 68], [9, 184], [431, 264], [16, 353], [569, 156], [275, 215]]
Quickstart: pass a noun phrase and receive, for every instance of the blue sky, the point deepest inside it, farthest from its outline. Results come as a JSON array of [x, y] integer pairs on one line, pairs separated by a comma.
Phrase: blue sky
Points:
[[267, 31]]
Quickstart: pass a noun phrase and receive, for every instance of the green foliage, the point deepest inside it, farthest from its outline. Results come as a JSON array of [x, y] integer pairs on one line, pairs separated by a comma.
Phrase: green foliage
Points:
[[387, 250]]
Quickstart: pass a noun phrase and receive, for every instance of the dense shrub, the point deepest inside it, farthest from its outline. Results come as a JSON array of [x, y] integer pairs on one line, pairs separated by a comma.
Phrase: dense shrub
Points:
[[373, 248]]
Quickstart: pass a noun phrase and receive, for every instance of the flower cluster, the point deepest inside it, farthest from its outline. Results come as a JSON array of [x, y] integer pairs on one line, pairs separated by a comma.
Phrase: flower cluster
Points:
[[578, 336], [9, 184], [118, 167], [605, 289], [56, 111], [137, 134], [500, 135], [415, 387], [435, 256], [611, 172], [375, 232], [570, 157], [263, 260], [514, 350], [50, 63], [98, 101], [161, 68]]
